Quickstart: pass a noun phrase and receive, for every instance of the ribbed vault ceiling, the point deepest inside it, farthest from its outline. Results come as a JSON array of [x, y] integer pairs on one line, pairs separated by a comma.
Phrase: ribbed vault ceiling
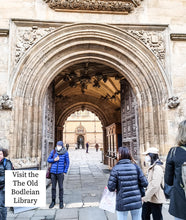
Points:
[[100, 81], [92, 83]]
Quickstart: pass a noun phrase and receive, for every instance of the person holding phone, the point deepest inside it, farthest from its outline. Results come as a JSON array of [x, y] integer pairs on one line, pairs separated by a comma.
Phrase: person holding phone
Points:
[[59, 158]]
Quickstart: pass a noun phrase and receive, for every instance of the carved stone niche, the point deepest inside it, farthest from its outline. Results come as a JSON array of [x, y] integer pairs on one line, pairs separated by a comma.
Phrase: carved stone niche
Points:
[[101, 6]]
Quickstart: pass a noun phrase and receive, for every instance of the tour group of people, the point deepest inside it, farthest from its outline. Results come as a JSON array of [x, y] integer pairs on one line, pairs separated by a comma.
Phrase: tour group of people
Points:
[[127, 179]]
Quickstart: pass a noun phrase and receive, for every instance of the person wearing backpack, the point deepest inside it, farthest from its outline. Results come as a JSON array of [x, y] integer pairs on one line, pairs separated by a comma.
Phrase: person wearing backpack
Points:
[[5, 164], [175, 174], [154, 195]]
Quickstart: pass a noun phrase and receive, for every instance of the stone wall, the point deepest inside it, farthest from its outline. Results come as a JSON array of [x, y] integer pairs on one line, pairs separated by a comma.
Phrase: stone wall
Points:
[[170, 14]]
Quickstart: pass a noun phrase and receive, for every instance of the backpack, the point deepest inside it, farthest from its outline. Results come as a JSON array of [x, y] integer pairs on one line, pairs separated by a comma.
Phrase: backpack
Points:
[[166, 188], [183, 174], [4, 163]]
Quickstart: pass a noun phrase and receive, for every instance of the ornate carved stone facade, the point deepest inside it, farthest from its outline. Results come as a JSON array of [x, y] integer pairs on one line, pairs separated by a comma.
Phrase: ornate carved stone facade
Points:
[[123, 6], [27, 162], [154, 40], [26, 37], [128, 55]]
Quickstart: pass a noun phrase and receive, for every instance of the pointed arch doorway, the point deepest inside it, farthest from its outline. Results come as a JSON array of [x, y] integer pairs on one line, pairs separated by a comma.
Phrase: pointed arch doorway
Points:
[[78, 43]]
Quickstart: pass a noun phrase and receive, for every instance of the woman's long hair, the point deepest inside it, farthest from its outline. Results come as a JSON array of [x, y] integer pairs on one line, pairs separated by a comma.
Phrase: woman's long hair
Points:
[[124, 153], [181, 137], [154, 157]]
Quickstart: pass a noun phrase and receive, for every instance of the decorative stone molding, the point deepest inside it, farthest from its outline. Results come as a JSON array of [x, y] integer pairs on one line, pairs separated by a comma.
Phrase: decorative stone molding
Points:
[[173, 102], [178, 37], [25, 162], [5, 102], [27, 37], [4, 32], [80, 130], [120, 6], [153, 40]]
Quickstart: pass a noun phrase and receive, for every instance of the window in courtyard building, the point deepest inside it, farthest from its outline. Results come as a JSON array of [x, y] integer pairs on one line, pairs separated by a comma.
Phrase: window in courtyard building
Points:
[[83, 126]]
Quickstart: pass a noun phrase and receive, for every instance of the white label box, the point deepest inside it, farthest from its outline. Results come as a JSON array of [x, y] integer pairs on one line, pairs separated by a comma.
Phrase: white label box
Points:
[[25, 188]]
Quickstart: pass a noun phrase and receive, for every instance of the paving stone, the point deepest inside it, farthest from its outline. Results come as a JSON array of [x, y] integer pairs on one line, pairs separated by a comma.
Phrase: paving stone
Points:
[[26, 214], [68, 213], [44, 212], [82, 193], [92, 214]]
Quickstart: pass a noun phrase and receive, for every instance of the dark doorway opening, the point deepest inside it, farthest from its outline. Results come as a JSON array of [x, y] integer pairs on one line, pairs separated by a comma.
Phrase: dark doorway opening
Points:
[[80, 142]]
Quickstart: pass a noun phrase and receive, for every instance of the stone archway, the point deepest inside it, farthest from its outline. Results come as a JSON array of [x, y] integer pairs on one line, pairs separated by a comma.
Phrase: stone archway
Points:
[[87, 43]]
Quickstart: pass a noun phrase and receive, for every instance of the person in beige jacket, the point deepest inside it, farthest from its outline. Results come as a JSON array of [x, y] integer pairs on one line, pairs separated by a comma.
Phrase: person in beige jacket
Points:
[[154, 195]]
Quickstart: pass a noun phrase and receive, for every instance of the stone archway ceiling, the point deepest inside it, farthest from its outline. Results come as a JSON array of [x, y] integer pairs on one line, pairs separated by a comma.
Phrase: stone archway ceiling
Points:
[[102, 6], [91, 79]]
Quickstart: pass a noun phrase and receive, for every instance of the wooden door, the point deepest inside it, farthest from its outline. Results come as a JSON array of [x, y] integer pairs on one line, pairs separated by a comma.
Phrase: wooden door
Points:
[[129, 119]]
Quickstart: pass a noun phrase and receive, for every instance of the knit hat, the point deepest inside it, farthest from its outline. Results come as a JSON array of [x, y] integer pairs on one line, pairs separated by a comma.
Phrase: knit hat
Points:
[[152, 150], [60, 143]]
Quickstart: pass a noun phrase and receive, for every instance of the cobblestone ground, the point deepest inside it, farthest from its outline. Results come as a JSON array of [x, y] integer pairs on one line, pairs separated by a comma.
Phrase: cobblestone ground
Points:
[[83, 187]]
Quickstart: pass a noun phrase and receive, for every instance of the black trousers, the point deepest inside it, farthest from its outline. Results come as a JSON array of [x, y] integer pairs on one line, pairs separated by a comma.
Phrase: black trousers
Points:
[[3, 209], [57, 178], [149, 208]]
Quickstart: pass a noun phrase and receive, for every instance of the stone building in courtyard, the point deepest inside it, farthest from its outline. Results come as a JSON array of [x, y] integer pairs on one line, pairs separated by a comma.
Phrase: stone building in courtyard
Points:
[[82, 127], [122, 60]]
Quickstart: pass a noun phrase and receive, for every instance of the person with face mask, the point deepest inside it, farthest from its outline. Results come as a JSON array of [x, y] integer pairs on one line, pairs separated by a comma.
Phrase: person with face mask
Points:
[[59, 158], [154, 195]]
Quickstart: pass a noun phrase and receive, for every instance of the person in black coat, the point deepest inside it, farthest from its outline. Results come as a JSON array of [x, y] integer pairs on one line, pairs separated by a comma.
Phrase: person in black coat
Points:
[[124, 178], [4, 165], [173, 177]]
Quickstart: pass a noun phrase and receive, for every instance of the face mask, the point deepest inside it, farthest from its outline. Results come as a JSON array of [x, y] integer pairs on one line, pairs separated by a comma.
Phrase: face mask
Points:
[[59, 148], [147, 160]]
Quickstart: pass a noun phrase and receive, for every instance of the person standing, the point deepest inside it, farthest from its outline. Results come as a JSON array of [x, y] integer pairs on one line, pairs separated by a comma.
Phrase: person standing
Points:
[[154, 196], [67, 146], [87, 146], [60, 164], [97, 147], [5, 164], [173, 174], [124, 178]]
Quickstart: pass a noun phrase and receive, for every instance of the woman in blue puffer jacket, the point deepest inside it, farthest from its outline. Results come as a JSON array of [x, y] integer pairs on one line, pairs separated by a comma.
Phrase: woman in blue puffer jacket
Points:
[[124, 178], [60, 164]]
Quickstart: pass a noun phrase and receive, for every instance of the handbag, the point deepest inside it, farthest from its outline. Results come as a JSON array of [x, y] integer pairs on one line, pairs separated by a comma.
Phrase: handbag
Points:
[[108, 200], [141, 188], [48, 174]]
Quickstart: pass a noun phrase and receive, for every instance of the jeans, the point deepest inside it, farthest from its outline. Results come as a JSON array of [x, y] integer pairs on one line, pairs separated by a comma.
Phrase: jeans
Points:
[[3, 209], [149, 208], [57, 178], [136, 214], [175, 218]]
